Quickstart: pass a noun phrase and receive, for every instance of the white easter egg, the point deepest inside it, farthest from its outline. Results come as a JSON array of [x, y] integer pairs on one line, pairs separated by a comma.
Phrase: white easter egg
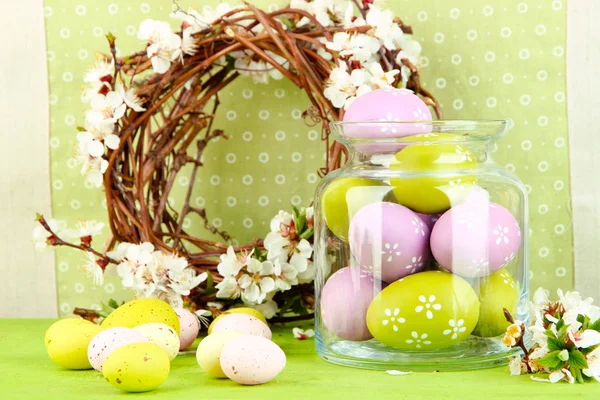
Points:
[[252, 360], [189, 327], [242, 323], [161, 335], [107, 341]]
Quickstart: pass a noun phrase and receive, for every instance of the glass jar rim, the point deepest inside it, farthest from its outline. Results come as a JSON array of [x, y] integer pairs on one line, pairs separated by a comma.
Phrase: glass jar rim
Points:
[[397, 131]]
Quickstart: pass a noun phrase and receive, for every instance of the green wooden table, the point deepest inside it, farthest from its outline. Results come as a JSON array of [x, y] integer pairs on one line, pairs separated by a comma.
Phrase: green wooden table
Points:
[[26, 372]]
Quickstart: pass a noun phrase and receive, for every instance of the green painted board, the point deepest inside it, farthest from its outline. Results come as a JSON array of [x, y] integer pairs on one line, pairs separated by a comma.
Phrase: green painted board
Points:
[[483, 59]]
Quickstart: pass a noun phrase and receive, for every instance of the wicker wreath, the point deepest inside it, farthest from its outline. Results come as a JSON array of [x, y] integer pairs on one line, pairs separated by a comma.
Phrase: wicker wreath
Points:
[[175, 124]]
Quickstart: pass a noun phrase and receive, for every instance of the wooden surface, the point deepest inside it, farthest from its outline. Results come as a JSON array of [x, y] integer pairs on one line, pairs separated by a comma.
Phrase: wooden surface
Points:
[[28, 284], [583, 96]]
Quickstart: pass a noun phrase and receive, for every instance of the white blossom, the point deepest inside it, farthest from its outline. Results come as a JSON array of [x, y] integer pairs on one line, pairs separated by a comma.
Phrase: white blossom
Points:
[[411, 50], [164, 46], [593, 361], [258, 283], [323, 10], [92, 269], [194, 21], [109, 107], [514, 365], [359, 47], [301, 253], [268, 307], [231, 263], [342, 88], [260, 71], [309, 273], [92, 167], [302, 334], [384, 28], [380, 79], [99, 73], [188, 42], [86, 228], [285, 275], [228, 288], [40, 235], [281, 221], [131, 99], [277, 246]]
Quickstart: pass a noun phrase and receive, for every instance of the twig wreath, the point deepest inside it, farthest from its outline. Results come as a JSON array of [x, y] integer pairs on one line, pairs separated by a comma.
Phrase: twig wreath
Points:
[[152, 113]]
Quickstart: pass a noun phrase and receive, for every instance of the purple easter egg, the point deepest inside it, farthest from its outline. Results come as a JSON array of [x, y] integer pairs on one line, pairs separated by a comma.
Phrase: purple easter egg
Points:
[[345, 300], [390, 240], [475, 238], [429, 219]]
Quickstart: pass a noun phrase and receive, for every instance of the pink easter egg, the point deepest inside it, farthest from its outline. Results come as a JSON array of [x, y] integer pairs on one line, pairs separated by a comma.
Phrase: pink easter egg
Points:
[[345, 299], [190, 326], [107, 341], [390, 240], [429, 219], [475, 238], [242, 323], [386, 107]]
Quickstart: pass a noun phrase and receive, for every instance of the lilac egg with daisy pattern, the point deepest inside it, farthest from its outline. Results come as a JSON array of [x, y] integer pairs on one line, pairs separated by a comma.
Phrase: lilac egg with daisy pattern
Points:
[[390, 240], [475, 238]]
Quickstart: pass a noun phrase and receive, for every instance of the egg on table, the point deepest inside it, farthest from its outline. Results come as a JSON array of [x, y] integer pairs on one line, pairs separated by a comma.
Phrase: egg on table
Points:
[[252, 360], [67, 343], [345, 299], [107, 341], [425, 311], [496, 292], [137, 367], [161, 335], [142, 311], [209, 350], [238, 310], [389, 240], [63, 325], [189, 327], [434, 169], [242, 323], [475, 238]]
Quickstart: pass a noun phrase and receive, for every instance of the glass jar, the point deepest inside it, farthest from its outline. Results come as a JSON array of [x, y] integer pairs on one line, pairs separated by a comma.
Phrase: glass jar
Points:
[[420, 243]]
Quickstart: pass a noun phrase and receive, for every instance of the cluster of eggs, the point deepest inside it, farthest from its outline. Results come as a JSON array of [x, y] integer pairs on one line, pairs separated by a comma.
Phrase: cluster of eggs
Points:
[[429, 248], [134, 346]]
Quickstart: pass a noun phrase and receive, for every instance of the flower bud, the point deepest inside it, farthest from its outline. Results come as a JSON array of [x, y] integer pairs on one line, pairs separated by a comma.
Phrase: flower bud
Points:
[[563, 355]]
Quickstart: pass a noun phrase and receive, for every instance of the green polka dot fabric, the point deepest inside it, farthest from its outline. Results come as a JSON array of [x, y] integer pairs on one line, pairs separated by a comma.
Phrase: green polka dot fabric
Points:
[[482, 59]]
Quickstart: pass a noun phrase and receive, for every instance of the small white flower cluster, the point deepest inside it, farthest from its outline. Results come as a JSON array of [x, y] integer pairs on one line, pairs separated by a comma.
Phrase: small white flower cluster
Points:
[[287, 263], [108, 104], [360, 69], [163, 45], [562, 346], [153, 273]]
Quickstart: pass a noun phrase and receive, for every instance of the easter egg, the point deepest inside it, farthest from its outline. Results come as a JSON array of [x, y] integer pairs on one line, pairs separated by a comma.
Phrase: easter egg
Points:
[[429, 219], [345, 299], [439, 180], [67, 343], [425, 311], [64, 325], [137, 367], [343, 197], [161, 335], [209, 350], [390, 240], [107, 341], [242, 323], [238, 310], [252, 360], [475, 238], [142, 311], [189, 327], [496, 292]]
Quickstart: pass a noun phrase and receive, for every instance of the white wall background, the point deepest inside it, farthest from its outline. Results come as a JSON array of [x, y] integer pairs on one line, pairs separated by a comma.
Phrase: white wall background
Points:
[[28, 284]]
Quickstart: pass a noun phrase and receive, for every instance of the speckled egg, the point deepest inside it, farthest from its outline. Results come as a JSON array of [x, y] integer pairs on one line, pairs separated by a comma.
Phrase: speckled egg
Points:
[[189, 327], [161, 335], [64, 325], [209, 351], [242, 323], [343, 197], [390, 240], [137, 367], [142, 311], [475, 238], [496, 292], [107, 341], [252, 360], [425, 311], [345, 299], [238, 310], [435, 176], [67, 343]]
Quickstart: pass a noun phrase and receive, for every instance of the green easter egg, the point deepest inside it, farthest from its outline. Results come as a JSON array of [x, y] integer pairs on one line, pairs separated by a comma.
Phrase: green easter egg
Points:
[[496, 292], [425, 311], [343, 197], [435, 187]]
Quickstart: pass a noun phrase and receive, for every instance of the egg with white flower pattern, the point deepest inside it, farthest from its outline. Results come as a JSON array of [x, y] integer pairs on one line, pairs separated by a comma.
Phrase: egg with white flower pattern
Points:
[[475, 238], [390, 240], [425, 311], [496, 292]]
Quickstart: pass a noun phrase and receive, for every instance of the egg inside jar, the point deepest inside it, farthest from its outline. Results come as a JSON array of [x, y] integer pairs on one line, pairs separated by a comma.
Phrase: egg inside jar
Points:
[[424, 250]]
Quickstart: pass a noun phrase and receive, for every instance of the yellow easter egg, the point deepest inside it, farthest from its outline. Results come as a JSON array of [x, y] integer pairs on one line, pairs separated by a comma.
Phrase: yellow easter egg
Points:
[[438, 178], [209, 351], [64, 325], [67, 343], [239, 310], [142, 311], [137, 367], [496, 292]]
